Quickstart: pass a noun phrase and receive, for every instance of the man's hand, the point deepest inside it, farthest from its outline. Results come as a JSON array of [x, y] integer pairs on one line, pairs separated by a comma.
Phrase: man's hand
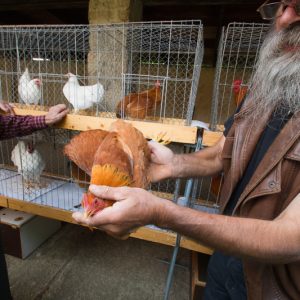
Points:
[[7, 107], [133, 208], [162, 162], [56, 114]]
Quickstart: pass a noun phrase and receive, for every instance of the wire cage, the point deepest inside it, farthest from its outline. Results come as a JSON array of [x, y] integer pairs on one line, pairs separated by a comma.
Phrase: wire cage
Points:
[[45, 176], [238, 52], [100, 56]]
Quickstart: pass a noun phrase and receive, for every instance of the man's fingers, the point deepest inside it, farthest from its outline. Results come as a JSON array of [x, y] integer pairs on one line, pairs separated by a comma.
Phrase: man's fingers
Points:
[[60, 107], [62, 114], [107, 192], [11, 109], [153, 145], [101, 218], [119, 237], [79, 218]]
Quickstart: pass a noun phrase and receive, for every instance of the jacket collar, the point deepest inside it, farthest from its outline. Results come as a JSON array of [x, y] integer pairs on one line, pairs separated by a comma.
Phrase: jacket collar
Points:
[[246, 136]]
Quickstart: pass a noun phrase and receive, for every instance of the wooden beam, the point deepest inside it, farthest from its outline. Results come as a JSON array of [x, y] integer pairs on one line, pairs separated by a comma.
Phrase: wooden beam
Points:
[[210, 138], [174, 133], [3, 202], [41, 210], [143, 233]]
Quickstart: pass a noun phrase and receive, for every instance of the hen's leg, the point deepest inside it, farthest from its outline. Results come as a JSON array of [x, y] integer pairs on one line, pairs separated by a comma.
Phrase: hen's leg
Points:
[[161, 139]]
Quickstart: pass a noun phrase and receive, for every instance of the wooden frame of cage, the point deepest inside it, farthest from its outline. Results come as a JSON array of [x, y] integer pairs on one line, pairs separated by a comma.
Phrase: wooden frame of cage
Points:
[[176, 133]]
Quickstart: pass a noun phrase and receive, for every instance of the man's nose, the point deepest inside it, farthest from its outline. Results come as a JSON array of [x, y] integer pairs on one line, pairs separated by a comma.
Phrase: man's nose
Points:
[[288, 17]]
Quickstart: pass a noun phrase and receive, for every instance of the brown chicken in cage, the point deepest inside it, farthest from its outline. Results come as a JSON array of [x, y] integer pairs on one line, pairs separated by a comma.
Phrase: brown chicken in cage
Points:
[[140, 105]]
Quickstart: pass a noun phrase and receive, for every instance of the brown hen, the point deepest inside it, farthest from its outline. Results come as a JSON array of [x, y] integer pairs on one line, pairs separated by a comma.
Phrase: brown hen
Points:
[[140, 105], [119, 157]]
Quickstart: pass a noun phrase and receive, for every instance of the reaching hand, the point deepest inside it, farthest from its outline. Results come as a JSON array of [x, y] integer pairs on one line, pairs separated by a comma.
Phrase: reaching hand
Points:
[[56, 114], [7, 107], [162, 162], [133, 208]]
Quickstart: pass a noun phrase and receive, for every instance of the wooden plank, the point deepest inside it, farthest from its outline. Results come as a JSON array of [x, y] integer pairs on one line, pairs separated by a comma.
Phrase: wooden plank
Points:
[[3, 201], [41, 210], [210, 138], [156, 236], [143, 233], [174, 133], [194, 246]]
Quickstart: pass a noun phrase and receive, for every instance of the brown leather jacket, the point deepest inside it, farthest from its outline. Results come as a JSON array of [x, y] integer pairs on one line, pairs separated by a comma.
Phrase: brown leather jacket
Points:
[[275, 183]]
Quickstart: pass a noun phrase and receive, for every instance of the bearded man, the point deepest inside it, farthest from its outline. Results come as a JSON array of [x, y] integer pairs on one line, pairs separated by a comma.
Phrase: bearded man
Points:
[[257, 239]]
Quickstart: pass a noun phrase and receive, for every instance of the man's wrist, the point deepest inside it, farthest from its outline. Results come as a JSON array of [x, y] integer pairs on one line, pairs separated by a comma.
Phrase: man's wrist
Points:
[[161, 212], [174, 166]]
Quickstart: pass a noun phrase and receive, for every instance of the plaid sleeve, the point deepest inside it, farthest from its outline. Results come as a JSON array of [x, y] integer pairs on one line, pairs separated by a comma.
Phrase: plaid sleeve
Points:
[[13, 126]]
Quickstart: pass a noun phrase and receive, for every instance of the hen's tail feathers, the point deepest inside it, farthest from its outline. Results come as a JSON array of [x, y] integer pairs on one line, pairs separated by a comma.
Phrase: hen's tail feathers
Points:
[[109, 175]]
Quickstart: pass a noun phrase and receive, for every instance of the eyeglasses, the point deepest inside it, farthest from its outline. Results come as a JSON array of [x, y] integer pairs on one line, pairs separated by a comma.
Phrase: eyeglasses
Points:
[[270, 11]]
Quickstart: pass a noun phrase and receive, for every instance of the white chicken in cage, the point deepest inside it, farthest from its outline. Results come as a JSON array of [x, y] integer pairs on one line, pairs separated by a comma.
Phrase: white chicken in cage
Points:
[[82, 97], [29, 162], [29, 89]]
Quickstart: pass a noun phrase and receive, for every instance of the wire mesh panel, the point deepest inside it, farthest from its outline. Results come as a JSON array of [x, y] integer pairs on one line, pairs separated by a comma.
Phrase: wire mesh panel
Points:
[[34, 169], [84, 67], [238, 51]]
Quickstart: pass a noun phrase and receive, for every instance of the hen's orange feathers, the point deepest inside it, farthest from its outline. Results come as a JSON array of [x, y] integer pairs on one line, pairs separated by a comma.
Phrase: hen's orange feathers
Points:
[[119, 157], [140, 105], [134, 142], [82, 148], [111, 151]]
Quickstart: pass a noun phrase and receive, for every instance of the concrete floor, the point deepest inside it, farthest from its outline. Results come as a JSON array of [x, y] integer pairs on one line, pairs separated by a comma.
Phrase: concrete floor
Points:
[[76, 263]]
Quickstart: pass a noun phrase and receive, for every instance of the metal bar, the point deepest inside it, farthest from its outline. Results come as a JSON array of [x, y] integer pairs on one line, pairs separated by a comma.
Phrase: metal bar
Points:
[[187, 194]]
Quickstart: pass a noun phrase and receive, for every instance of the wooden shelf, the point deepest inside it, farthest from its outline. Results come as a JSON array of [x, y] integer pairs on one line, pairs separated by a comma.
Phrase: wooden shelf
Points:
[[176, 132], [210, 138], [144, 233]]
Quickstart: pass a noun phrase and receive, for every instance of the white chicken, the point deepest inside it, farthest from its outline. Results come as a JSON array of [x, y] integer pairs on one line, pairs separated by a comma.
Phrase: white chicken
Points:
[[29, 162], [82, 97], [29, 89]]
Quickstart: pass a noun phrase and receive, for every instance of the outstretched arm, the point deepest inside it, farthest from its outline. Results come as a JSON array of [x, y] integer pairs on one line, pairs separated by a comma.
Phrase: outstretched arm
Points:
[[276, 241], [13, 126], [166, 164]]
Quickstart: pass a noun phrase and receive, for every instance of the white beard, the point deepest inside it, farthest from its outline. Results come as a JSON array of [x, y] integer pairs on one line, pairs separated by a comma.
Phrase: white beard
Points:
[[276, 82]]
